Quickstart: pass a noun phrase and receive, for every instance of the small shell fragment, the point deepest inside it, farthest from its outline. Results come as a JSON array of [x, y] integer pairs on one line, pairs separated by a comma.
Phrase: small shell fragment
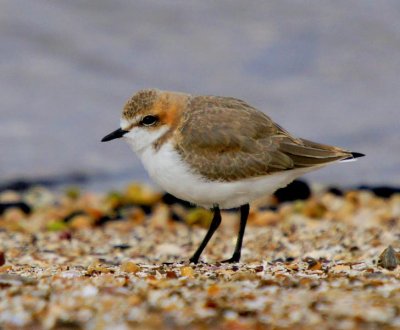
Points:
[[187, 271], [388, 258], [130, 267], [97, 268]]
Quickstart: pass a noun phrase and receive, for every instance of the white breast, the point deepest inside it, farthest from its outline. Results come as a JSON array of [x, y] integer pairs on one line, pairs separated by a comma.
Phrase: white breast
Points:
[[167, 169]]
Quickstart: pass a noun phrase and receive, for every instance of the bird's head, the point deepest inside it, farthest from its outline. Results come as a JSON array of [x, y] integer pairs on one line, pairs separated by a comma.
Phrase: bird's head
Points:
[[147, 116]]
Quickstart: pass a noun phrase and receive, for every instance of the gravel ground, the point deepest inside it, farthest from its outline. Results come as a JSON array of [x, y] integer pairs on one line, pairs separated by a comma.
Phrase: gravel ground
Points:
[[89, 261]]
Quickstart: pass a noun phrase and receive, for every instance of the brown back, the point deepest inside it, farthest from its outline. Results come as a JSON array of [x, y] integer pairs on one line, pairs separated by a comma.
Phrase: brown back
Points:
[[226, 139]]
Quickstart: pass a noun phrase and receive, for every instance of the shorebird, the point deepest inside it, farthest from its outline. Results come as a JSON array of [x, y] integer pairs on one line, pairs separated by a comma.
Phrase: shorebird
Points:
[[216, 152]]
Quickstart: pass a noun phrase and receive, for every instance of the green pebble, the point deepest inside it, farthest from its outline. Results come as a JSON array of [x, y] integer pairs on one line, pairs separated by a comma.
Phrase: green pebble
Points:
[[56, 226]]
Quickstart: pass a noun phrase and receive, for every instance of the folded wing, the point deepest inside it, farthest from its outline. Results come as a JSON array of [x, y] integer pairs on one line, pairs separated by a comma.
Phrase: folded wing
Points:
[[226, 140]]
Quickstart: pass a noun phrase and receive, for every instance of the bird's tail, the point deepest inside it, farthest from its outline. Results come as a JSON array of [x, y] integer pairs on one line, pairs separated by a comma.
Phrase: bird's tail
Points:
[[305, 153], [353, 157]]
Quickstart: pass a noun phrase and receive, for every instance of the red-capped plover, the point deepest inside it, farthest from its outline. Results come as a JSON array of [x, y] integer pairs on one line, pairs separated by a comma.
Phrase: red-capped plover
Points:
[[216, 152]]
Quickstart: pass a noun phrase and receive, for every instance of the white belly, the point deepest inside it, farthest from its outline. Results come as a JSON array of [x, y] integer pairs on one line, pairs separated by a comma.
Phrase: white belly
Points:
[[167, 169]]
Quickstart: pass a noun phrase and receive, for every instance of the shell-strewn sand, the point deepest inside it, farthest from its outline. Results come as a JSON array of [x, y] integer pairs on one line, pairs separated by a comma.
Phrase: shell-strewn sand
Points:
[[96, 262]]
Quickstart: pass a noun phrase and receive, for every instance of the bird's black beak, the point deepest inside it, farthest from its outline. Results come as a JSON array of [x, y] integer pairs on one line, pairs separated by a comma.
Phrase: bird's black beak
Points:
[[119, 133]]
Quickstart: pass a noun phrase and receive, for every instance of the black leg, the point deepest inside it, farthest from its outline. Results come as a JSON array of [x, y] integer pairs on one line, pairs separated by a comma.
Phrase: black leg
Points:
[[244, 213], [213, 227]]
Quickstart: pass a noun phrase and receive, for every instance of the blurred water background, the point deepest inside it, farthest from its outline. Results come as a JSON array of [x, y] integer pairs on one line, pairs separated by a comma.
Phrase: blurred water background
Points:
[[326, 70]]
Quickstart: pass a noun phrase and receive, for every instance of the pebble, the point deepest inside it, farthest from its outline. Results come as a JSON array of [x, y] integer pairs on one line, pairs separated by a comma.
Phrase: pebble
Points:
[[81, 222], [388, 258], [70, 274], [2, 258], [129, 267], [18, 205], [49, 275], [293, 191], [187, 271], [96, 267], [14, 279], [89, 291]]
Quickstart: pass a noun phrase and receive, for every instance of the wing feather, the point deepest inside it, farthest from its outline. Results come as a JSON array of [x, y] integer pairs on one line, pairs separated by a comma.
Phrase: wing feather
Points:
[[226, 139]]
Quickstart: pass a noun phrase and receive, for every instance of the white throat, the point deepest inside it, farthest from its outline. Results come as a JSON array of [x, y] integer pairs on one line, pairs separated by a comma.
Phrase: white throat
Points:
[[141, 138]]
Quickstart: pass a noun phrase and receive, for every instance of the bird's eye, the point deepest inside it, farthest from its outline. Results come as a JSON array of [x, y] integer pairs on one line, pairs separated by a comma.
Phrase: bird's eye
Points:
[[149, 120]]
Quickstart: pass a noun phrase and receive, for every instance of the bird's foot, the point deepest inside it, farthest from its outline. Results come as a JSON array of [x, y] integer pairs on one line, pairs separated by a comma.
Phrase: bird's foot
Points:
[[174, 262], [235, 258], [194, 260], [197, 261]]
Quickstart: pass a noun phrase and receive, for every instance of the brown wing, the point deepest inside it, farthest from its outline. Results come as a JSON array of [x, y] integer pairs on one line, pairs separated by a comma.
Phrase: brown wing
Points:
[[226, 140]]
